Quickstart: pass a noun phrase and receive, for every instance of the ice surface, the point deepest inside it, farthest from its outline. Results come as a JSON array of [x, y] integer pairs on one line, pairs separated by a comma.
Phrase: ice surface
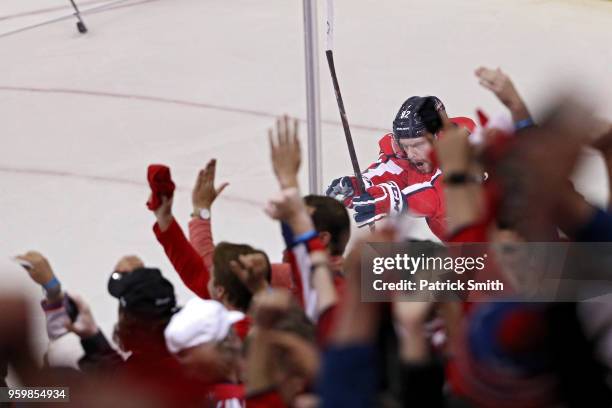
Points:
[[182, 81]]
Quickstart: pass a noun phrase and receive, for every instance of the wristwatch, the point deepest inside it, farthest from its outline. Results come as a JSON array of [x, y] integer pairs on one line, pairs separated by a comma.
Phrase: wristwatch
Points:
[[201, 213]]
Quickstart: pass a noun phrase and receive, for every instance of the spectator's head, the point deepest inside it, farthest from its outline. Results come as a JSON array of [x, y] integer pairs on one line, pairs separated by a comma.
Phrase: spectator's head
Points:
[[296, 331], [128, 263], [291, 336], [202, 339], [146, 303], [225, 285], [411, 134], [331, 220]]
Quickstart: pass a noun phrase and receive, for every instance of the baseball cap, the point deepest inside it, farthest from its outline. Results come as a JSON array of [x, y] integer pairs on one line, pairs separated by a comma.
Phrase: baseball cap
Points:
[[408, 122], [199, 321], [143, 291]]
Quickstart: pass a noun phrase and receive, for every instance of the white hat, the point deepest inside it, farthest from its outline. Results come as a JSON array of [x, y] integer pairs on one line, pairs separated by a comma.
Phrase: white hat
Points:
[[199, 321]]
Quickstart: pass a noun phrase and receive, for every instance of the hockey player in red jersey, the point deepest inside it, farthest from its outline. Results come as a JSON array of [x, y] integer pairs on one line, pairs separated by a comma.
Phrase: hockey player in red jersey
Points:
[[404, 179]]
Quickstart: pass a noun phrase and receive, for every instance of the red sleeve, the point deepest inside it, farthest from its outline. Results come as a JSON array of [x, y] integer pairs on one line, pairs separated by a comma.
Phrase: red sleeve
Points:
[[200, 236], [242, 327], [268, 399], [186, 261], [325, 325], [327, 319], [425, 202], [479, 231], [471, 233]]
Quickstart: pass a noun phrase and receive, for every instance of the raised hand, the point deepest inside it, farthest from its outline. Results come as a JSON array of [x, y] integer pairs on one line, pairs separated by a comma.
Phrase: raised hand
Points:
[[453, 151], [501, 85], [204, 192], [271, 306], [285, 151], [286, 205], [163, 213], [289, 207], [252, 270], [40, 270]]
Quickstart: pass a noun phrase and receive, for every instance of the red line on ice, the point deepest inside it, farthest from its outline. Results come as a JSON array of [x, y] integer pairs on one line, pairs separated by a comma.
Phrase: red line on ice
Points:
[[173, 101], [107, 179]]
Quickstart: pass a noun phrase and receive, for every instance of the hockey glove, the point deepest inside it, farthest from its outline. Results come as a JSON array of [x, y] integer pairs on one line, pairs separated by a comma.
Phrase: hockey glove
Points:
[[344, 189], [378, 202]]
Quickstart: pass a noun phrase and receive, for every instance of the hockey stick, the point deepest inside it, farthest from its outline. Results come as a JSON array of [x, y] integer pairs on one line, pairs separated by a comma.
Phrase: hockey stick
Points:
[[329, 53], [80, 24]]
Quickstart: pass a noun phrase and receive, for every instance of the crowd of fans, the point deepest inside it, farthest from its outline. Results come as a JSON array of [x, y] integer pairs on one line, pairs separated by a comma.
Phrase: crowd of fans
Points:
[[298, 334]]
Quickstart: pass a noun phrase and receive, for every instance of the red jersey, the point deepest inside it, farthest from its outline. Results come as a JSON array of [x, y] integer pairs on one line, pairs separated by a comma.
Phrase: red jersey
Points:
[[423, 191]]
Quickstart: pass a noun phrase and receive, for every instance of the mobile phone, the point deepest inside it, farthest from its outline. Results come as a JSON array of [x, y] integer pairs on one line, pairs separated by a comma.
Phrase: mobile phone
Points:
[[71, 309]]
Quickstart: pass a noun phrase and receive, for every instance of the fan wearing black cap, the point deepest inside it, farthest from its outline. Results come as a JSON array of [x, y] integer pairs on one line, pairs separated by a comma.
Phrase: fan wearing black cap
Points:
[[405, 178], [146, 304]]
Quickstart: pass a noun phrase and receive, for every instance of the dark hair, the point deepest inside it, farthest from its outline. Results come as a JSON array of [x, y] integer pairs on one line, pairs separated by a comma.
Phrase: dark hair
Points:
[[237, 292], [330, 215]]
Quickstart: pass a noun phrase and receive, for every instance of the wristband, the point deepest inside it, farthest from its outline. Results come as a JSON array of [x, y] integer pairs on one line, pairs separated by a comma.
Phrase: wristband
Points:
[[524, 124], [459, 178], [52, 284], [305, 237], [287, 234]]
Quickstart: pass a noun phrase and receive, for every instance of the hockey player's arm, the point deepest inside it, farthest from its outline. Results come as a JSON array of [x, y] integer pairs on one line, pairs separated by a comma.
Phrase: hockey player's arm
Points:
[[384, 170]]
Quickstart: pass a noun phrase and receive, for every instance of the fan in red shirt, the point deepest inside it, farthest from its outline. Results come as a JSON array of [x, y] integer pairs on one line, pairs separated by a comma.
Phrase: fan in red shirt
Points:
[[405, 178]]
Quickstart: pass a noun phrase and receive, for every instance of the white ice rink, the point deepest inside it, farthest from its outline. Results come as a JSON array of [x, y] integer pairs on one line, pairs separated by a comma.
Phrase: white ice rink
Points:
[[182, 81]]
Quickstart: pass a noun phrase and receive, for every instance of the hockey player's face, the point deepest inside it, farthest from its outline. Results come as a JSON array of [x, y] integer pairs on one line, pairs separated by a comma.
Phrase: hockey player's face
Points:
[[417, 151]]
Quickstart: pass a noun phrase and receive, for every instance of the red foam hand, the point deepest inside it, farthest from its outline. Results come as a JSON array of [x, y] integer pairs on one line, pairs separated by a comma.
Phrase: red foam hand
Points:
[[161, 185]]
